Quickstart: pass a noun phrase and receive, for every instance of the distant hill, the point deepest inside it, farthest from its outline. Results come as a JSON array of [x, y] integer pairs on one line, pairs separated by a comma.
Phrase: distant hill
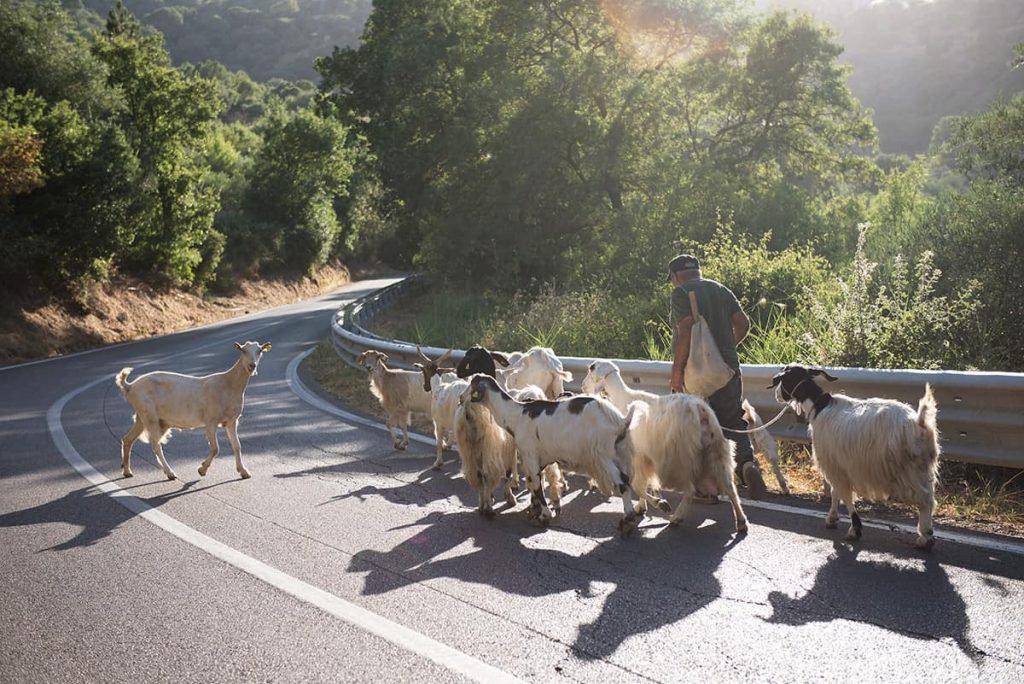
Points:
[[916, 61], [266, 38]]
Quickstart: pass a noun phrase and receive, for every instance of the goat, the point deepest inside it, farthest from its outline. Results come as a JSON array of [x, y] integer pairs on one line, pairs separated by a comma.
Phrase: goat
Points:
[[557, 485], [539, 366], [877, 448], [764, 443], [444, 398], [480, 360], [677, 443], [585, 433], [487, 452], [165, 401], [400, 393]]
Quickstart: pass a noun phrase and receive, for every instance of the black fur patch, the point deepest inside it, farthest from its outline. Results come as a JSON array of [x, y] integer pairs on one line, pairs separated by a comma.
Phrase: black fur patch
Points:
[[577, 404], [476, 360], [535, 408], [821, 402]]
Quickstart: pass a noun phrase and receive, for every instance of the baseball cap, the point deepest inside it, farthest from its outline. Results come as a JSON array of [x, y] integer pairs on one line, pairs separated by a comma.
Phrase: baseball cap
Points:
[[683, 262]]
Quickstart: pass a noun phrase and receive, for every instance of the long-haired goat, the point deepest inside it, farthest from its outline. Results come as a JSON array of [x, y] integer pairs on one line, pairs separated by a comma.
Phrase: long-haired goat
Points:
[[677, 442], [400, 393], [487, 452], [877, 448], [444, 400], [166, 401]]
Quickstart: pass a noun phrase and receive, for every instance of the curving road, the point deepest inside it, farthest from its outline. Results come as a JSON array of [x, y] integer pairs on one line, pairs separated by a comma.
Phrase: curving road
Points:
[[344, 560]]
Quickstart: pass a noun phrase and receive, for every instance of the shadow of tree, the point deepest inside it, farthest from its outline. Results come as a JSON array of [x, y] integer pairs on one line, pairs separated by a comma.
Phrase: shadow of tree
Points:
[[848, 588]]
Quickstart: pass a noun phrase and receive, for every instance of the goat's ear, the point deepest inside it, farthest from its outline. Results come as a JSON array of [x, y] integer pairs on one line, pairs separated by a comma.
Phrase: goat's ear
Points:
[[500, 358], [267, 347], [445, 370], [238, 346], [775, 381], [818, 371], [418, 366]]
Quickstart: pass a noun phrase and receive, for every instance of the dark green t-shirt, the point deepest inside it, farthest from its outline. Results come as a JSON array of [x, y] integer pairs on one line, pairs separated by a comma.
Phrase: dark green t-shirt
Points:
[[717, 304]]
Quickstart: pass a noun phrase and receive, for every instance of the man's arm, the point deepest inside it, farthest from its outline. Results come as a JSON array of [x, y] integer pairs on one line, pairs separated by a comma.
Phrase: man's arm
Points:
[[680, 352], [740, 327]]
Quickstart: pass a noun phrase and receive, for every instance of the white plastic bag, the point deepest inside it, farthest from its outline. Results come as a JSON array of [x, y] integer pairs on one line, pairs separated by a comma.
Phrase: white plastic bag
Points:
[[706, 372]]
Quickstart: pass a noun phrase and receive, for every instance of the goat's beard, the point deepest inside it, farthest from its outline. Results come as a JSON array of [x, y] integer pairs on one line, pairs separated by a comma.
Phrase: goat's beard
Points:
[[792, 402]]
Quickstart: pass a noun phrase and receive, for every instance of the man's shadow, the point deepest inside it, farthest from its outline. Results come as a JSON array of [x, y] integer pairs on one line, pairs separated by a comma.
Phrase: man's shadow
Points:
[[846, 588]]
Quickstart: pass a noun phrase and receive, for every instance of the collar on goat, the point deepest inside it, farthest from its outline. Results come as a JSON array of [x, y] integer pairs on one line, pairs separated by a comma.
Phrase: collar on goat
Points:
[[819, 397]]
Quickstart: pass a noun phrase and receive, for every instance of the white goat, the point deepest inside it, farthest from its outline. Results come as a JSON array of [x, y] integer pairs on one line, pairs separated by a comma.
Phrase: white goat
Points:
[[539, 366], [877, 448], [445, 390], [166, 401], [400, 393], [557, 485], [587, 434], [677, 442], [764, 443]]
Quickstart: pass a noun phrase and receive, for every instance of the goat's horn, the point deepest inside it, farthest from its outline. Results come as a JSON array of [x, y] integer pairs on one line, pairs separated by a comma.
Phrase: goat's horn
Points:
[[445, 355], [420, 352]]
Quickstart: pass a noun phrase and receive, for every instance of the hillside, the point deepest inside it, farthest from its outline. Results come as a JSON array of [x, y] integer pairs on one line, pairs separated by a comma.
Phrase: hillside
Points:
[[916, 61], [266, 38]]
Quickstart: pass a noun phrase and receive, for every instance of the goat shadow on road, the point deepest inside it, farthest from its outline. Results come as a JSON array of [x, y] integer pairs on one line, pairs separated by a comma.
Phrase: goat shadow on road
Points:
[[94, 512], [917, 601], [654, 582]]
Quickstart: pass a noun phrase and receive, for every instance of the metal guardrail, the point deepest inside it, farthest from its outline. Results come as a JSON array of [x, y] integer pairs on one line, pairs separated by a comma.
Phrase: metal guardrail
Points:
[[981, 414]]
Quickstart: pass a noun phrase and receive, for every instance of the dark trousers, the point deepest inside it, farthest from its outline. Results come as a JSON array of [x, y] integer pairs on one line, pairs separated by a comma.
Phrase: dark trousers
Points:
[[727, 403]]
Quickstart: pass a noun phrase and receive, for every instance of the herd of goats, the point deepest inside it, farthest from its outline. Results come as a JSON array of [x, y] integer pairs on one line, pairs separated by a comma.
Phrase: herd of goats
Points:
[[510, 412]]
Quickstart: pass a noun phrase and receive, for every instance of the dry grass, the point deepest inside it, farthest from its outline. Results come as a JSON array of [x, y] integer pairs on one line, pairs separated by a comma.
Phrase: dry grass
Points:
[[126, 310]]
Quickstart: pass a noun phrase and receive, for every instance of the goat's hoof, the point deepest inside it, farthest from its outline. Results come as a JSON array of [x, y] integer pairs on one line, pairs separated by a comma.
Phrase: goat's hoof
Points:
[[663, 506], [741, 527], [852, 534], [674, 522], [556, 508], [202, 471], [487, 512], [244, 474], [785, 491], [170, 475], [925, 543], [437, 465], [400, 447], [831, 524], [544, 520], [127, 473], [628, 524]]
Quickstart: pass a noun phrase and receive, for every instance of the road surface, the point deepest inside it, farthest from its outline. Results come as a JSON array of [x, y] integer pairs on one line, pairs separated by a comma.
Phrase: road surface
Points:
[[344, 560]]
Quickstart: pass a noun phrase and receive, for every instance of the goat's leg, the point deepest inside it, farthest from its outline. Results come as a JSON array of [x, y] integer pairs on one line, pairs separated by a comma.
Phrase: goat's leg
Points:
[[211, 437], [405, 433], [156, 434], [126, 446], [389, 420], [538, 505], [553, 476], [773, 459], [486, 506], [677, 516], [621, 480], [832, 517], [231, 427], [925, 510], [439, 438], [728, 483], [846, 494]]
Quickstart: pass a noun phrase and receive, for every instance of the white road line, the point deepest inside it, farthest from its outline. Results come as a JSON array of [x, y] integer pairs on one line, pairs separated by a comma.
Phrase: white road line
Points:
[[359, 617], [990, 544]]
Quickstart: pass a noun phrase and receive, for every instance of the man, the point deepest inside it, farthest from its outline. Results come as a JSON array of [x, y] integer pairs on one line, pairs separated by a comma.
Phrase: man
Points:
[[729, 325]]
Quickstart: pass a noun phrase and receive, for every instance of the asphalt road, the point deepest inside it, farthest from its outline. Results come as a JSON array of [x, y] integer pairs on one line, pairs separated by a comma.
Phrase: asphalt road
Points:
[[343, 560]]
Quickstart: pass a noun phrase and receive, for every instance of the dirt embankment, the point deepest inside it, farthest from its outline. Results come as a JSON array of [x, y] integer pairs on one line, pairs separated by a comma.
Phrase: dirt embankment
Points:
[[124, 310]]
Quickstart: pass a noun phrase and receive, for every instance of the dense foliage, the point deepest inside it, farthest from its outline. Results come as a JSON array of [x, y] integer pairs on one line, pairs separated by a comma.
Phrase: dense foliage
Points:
[[113, 159]]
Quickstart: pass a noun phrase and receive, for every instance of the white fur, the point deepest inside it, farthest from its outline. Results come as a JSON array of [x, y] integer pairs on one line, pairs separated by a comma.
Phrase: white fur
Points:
[[879, 449], [400, 393], [487, 452], [677, 442], [443, 406], [165, 401], [764, 443], [539, 366], [592, 439]]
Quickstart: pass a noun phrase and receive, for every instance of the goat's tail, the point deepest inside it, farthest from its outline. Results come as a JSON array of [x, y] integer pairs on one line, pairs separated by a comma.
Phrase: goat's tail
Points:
[[926, 410], [122, 381]]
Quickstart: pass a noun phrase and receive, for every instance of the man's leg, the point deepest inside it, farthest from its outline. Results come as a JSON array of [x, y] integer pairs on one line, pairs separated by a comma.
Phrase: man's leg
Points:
[[727, 403]]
